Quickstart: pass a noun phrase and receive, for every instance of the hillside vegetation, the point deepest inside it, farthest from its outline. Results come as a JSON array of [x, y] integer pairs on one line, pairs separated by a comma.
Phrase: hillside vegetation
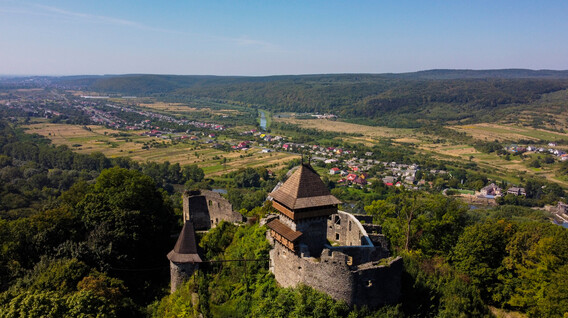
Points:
[[395, 100]]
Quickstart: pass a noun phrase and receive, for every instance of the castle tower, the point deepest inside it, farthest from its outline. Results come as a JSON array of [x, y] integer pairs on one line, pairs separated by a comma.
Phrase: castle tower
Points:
[[184, 259], [304, 204], [206, 209]]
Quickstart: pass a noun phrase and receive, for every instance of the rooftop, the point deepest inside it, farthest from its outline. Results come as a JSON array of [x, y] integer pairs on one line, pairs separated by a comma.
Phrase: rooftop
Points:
[[304, 189], [185, 250], [283, 230]]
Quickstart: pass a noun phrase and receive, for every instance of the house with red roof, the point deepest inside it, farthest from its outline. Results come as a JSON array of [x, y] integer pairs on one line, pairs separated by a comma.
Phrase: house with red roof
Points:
[[351, 177]]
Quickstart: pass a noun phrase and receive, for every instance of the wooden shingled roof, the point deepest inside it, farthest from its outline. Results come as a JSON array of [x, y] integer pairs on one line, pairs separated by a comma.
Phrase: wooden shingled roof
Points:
[[185, 250], [304, 189], [283, 230]]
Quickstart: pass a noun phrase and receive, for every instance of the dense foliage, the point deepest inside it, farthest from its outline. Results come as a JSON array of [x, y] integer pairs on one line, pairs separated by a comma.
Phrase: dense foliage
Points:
[[85, 235], [78, 237], [395, 100]]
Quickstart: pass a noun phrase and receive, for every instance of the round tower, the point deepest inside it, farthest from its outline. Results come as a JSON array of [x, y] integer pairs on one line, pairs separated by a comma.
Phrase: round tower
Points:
[[184, 259]]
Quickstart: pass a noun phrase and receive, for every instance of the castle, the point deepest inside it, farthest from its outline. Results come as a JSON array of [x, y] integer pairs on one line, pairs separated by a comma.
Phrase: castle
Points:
[[330, 250], [205, 209], [313, 243], [202, 210]]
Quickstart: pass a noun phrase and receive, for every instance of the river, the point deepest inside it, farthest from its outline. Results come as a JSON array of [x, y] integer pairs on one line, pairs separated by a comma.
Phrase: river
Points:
[[262, 120]]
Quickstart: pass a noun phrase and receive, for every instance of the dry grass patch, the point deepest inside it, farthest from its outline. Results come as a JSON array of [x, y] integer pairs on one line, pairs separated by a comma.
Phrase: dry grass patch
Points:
[[372, 132], [172, 107], [91, 138], [502, 132], [94, 139], [180, 108], [408, 140], [502, 313]]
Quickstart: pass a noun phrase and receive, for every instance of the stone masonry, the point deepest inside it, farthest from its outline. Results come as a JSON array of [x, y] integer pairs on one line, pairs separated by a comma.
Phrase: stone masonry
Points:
[[330, 250], [207, 208]]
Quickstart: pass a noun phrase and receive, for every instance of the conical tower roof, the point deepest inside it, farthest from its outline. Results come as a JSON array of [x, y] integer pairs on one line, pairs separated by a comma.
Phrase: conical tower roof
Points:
[[304, 189], [185, 250]]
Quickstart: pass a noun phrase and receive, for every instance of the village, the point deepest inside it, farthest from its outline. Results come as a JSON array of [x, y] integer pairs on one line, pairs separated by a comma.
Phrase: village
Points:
[[561, 154], [345, 167]]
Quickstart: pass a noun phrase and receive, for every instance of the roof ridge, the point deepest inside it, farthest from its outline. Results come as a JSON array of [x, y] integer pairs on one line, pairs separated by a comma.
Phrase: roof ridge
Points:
[[303, 184], [185, 249]]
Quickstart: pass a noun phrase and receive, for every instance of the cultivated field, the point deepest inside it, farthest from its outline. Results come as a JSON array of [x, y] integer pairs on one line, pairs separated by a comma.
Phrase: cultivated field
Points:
[[503, 132], [179, 108], [370, 134], [88, 139]]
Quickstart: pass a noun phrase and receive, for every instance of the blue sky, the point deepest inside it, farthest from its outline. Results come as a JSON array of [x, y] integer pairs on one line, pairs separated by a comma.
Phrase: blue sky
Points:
[[279, 37]]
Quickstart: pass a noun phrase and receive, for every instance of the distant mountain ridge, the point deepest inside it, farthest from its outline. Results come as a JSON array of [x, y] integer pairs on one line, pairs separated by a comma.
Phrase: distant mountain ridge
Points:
[[397, 100]]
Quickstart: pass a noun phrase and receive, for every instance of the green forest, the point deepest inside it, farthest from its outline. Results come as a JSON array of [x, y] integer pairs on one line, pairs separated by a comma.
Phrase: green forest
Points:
[[393, 100], [87, 236]]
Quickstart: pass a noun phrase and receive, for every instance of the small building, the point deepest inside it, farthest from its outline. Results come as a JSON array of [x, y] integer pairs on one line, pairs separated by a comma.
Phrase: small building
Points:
[[389, 179], [491, 190], [351, 177], [516, 191], [334, 170], [360, 181]]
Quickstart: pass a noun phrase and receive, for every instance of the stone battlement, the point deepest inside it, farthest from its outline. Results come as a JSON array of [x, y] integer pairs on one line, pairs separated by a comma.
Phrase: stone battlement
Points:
[[361, 274]]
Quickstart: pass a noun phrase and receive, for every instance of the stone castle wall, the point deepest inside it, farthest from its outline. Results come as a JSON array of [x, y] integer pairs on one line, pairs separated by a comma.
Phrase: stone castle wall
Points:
[[357, 272], [207, 208], [346, 230], [313, 235], [180, 273], [370, 284]]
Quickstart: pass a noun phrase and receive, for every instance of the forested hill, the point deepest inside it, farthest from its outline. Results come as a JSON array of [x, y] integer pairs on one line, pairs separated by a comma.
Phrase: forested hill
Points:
[[403, 100]]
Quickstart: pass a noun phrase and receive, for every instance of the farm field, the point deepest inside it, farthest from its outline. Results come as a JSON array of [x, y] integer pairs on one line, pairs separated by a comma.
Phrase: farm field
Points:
[[93, 139], [370, 133], [504, 132], [180, 109], [495, 166], [114, 143]]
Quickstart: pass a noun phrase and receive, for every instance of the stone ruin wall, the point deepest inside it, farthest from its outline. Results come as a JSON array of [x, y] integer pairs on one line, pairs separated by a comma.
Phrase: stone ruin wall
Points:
[[346, 230], [328, 274], [356, 272], [378, 285], [207, 208], [180, 273], [370, 284]]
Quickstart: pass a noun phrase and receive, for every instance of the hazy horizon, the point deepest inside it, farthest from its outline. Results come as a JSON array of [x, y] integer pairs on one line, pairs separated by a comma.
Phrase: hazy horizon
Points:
[[276, 75]]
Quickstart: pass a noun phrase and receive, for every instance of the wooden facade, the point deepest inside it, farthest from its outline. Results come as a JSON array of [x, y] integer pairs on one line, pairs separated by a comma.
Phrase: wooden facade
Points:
[[304, 213], [290, 245]]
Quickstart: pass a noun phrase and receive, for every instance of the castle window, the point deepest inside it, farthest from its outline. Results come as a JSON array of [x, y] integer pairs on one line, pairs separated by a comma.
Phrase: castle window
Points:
[[337, 236], [337, 220], [218, 205], [210, 203], [349, 225]]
